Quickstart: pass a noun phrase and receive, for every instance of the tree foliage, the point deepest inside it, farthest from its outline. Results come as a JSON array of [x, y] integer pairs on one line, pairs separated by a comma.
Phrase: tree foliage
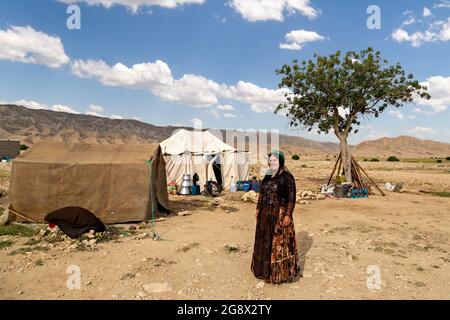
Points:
[[363, 84]]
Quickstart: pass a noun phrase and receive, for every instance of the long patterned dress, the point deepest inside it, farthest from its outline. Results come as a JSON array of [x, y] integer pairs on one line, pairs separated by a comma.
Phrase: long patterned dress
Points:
[[275, 255]]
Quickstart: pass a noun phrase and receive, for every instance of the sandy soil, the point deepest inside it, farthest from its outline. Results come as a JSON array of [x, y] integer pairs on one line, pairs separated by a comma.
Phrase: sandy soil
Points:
[[406, 235]]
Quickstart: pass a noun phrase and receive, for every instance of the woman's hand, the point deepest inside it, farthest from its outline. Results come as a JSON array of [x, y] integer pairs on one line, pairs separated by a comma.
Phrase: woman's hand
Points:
[[287, 221]]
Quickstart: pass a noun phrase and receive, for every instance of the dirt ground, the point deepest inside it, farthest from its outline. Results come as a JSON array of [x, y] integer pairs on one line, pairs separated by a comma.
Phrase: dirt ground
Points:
[[206, 255]]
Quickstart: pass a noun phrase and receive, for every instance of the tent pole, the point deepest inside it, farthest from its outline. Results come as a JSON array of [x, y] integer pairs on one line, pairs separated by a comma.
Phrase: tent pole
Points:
[[373, 182]]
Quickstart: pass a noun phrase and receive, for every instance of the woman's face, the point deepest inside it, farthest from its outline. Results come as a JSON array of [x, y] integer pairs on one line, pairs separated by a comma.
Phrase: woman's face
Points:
[[274, 164]]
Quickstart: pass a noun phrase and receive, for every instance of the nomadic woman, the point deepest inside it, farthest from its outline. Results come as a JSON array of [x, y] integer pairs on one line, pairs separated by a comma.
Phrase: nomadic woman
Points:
[[275, 256]]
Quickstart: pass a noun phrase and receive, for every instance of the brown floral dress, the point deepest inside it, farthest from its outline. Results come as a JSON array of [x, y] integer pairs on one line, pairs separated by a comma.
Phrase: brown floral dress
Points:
[[275, 255]]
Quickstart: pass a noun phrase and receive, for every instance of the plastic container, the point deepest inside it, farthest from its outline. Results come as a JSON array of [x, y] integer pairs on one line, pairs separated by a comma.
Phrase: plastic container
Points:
[[233, 187], [339, 191], [255, 185], [195, 190]]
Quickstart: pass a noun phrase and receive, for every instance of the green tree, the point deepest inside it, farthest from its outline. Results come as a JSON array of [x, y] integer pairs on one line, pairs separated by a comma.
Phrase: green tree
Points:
[[333, 93]]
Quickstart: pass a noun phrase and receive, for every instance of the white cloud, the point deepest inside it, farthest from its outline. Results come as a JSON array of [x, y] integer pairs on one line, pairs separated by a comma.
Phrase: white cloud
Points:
[[141, 75], [190, 89], [439, 89], [296, 38], [157, 77], [93, 113], [426, 112], [115, 116], [426, 12], [134, 5], [262, 10], [36, 105], [259, 99], [408, 22], [61, 108], [137, 118], [225, 107], [31, 104], [96, 108], [229, 115], [421, 130], [443, 4], [214, 112], [197, 122], [437, 31], [26, 45], [397, 113]]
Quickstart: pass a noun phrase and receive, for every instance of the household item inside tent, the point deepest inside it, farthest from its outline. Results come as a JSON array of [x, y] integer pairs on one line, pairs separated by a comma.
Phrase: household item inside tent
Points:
[[201, 152], [118, 183]]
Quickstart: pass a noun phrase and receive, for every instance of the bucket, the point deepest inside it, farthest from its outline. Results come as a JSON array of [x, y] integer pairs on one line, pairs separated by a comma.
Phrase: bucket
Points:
[[195, 190], [339, 191]]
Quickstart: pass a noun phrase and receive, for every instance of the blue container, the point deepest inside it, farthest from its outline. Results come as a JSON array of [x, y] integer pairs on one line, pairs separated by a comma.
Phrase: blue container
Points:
[[255, 185], [195, 190], [246, 186], [360, 193]]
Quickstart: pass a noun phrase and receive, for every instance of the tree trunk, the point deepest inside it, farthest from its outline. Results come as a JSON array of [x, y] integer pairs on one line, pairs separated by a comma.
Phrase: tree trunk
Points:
[[346, 160]]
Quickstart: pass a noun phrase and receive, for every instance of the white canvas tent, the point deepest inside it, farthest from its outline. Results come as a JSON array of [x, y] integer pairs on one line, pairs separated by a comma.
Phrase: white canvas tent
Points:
[[201, 152]]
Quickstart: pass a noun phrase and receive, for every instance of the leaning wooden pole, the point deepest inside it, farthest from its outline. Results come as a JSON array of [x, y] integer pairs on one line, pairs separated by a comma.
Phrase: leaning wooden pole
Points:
[[334, 169], [355, 175], [365, 173]]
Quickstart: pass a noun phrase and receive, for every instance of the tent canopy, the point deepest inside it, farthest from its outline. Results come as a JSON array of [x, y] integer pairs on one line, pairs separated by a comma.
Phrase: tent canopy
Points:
[[112, 181], [199, 142]]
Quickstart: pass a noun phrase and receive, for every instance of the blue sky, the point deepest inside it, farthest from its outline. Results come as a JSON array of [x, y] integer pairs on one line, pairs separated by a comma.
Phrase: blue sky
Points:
[[174, 61]]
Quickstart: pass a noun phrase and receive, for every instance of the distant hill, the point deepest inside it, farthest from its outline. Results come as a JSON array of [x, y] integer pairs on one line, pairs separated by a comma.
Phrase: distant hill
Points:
[[31, 126], [403, 147]]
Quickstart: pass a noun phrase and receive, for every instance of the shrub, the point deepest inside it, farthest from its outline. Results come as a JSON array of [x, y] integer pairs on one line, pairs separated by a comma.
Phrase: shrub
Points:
[[295, 157], [365, 160], [393, 159], [448, 158], [439, 161], [23, 147], [374, 160]]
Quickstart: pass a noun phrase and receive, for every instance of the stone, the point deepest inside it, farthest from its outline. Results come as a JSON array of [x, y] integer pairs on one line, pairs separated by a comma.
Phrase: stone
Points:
[[250, 196], [157, 287], [185, 213], [260, 285]]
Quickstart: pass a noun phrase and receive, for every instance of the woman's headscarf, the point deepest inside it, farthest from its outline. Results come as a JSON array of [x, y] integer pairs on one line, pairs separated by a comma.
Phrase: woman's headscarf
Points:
[[281, 160]]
